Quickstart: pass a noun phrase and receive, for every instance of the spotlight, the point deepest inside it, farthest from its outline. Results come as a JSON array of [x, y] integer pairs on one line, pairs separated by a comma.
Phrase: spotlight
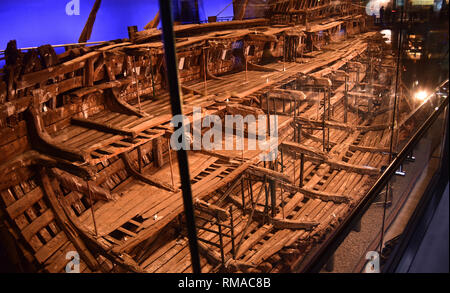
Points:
[[421, 95]]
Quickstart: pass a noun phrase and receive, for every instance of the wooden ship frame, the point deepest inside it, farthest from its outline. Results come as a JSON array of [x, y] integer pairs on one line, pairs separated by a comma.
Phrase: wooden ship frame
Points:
[[86, 163]]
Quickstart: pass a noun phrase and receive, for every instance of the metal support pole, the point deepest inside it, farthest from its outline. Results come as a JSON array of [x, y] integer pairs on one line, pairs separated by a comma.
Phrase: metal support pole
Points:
[[302, 164], [243, 195], [273, 197], [165, 8], [222, 255], [233, 248], [346, 99]]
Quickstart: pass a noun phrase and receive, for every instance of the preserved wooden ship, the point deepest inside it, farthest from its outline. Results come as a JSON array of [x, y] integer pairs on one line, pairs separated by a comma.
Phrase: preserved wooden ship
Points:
[[86, 163]]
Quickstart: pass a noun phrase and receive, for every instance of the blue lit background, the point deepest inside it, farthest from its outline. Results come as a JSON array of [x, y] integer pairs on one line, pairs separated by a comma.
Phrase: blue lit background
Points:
[[38, 22]]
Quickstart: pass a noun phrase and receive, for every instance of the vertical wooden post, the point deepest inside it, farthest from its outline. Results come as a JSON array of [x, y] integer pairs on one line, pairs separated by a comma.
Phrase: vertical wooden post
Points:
[[170, 161], [151, 72], [137, 83], [205, 68], [302, 164], [219, 225], [91, 202], [139, 154], [158, 152]]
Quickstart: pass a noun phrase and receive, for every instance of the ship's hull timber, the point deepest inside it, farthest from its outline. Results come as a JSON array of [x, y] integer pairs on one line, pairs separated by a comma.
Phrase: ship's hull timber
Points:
[[87, 167]]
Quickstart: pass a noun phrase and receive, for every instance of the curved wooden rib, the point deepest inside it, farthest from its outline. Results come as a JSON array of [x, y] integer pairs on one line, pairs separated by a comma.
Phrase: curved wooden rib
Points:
[[66, 224], [115, 104], [74, 226], [43, 142]]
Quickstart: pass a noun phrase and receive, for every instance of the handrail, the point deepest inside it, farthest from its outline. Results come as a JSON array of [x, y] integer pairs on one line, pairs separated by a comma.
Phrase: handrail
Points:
[[319, 256]]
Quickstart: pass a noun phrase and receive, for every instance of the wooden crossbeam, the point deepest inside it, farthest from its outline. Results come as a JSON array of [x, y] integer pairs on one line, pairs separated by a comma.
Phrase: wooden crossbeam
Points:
[[310, 193], [339, 125], [238, 109], [102, 127], [270, 174], [211, 209], [293, 224], [283, 94], [303, 149]]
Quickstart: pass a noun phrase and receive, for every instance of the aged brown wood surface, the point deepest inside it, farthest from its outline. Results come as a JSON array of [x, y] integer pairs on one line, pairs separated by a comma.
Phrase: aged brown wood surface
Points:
[[88, 132]]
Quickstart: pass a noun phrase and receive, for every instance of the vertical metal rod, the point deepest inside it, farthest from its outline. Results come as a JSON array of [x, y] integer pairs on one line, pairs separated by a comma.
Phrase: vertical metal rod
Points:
[[91, 202], [171, 164], [250, 185], [273, 197], [176, 104], [233, 248], [346, 98], [222, 255], [243, 194], [282, 201]]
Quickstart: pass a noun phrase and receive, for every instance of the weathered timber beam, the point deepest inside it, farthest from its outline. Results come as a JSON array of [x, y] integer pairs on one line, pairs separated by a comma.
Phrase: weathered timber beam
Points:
[[77, 184], [256, 67], [154, 22], [339, 125], [303, 149], [114, 103], [211, 255], [238, 265], [96, 244], [293, 224], [270, 174], [238, 109], [368, 149], [309, 193], [144, 178], [191, 90], [283, 94], [211, 209], [334, 164], [43, 142], [239, 8], [87, 30], [381, 86], [102, 127], [322, 82], [66, 224], [318, 139], [362, 95]]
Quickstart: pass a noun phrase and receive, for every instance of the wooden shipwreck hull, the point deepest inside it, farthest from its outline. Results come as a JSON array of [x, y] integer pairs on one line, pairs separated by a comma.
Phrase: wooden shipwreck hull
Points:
[[86, 164]]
